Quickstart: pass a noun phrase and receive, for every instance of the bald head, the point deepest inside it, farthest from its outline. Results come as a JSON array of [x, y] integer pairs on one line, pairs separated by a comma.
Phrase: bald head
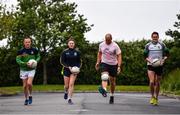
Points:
[[108, 39]]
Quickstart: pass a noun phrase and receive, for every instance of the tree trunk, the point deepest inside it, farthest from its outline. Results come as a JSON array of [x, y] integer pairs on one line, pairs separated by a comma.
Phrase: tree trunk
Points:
[[44, 65], [44, 72]]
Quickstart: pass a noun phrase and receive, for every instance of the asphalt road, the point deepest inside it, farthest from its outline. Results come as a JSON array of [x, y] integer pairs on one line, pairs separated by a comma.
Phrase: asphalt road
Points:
[[89, 103]]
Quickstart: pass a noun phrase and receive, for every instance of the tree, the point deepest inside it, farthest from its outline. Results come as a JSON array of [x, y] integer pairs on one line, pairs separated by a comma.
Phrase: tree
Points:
[[175, 33], [49, 23], [175, 51], [6, 22]]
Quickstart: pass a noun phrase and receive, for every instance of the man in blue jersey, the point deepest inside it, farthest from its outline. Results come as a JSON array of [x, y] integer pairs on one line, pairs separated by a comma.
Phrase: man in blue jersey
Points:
[[155, 50]]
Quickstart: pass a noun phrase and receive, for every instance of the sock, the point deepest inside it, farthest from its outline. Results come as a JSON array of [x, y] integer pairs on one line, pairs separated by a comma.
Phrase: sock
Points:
[[111, 94]]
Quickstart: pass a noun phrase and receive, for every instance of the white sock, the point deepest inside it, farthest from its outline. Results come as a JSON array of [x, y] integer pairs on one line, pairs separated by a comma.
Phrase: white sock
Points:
[[111, 94]]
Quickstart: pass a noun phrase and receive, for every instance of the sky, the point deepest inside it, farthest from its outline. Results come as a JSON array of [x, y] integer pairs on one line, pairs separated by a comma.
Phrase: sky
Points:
[[126, 20]]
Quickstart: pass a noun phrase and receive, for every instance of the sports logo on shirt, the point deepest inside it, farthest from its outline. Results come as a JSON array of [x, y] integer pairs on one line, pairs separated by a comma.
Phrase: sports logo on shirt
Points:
[[155, 47], [67, 53], [32, 52], [75, 53]]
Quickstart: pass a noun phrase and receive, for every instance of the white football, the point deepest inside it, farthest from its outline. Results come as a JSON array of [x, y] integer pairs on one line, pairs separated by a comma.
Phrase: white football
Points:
[[104, 76], [75, 70], [33, 63], [156, 62]]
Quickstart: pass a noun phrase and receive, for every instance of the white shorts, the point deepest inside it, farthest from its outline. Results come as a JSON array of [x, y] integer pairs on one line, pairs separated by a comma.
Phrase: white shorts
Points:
[[26, 74]]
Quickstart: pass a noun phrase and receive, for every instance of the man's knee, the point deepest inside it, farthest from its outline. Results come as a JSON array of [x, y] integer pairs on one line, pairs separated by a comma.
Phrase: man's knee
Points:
[[157, 83], [112, 81], [151, 83], [25, 86], [29, 84]]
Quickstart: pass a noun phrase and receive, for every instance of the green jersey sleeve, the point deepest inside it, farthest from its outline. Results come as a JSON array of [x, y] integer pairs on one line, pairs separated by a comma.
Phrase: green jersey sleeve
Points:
[[38, 57], [20, 62]]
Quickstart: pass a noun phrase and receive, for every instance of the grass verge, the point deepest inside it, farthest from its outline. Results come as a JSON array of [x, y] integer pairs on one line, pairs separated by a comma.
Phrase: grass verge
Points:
[[171, 84], [78, 88]]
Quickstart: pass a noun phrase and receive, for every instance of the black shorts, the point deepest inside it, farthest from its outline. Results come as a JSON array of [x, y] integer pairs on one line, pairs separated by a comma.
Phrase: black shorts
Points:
[[157, 70], [111, 69], [67, 72]]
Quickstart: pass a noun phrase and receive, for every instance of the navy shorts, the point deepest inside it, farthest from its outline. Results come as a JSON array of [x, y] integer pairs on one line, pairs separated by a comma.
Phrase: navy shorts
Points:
[[111, 69], [157, 70], [67, 72]]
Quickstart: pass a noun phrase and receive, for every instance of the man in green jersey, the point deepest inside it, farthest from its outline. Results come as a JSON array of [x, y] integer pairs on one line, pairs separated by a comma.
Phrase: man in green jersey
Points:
[[27, 72]]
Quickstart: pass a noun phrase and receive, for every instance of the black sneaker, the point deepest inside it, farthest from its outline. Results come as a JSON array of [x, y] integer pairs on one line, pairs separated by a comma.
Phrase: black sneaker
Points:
[[26, 102], [65, 95], [102, 91], [111, 101], [30, 99], [104, 94], [70, 102]]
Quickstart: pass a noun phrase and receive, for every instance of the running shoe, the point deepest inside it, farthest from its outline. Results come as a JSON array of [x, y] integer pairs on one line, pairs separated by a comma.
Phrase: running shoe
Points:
[[155, 101], [30, 99], [26, 102], [111, 100], [102, 91], [152, 100], [70, 102], [65, 95]]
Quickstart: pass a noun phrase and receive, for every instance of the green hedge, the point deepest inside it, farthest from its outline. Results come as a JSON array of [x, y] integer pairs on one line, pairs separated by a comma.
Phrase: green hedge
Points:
[[133, 66]]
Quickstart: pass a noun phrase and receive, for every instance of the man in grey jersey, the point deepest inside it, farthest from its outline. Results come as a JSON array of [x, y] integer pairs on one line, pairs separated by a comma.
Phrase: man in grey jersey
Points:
[[155, 50]]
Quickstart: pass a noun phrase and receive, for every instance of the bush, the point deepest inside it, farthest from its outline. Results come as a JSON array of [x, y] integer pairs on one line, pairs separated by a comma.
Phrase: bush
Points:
[[134, 69], [172, 81]]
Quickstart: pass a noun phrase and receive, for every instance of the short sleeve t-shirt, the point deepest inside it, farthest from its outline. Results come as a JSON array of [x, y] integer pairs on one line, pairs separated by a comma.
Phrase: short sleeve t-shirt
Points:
[[109, 53]]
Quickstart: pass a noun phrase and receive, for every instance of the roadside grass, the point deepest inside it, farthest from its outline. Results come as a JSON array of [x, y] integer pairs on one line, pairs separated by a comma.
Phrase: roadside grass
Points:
[[171, 84], [177, 93], [12, 90]]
